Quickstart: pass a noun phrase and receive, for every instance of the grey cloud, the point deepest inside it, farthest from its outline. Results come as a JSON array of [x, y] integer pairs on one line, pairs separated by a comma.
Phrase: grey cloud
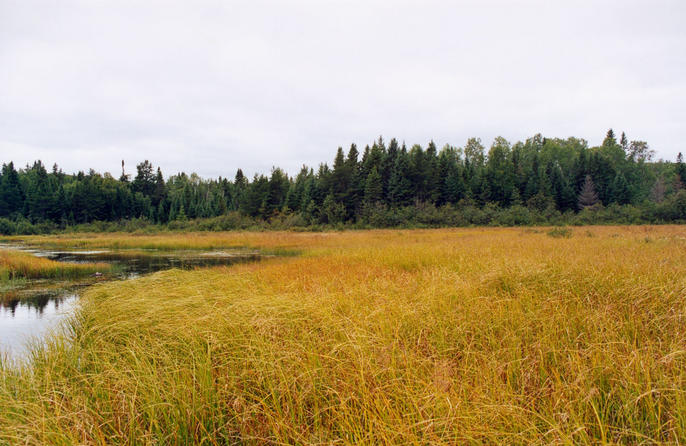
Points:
[[211, 86]]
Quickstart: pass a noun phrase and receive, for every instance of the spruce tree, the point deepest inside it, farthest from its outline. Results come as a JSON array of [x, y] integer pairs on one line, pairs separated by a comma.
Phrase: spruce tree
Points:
[[624, 142], [610, 140], [400, 187], [11, 193], [373, 190], [431, 178], [159, 191], [588, 196], [355, 186]]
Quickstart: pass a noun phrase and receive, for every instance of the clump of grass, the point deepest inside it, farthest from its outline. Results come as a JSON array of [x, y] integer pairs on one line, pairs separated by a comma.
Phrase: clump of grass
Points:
[[561, 232], [16, 265], [381, 337]]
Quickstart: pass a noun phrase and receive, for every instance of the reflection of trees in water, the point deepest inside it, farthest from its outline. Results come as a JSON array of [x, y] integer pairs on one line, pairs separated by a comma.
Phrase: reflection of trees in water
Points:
[[138, 263], [37, 302]]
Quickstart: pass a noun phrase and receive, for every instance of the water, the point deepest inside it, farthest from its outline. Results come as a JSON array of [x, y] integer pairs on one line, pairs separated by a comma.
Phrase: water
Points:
[[23, 322], [27, 320]]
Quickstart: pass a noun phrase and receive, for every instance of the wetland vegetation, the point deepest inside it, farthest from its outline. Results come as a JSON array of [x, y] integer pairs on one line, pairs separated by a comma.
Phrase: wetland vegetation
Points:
[[514, 336], [21, 265]]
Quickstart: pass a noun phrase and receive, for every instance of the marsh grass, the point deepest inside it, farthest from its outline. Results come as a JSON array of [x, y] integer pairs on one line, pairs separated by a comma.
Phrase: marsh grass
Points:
[[488, 336], [16, 265]]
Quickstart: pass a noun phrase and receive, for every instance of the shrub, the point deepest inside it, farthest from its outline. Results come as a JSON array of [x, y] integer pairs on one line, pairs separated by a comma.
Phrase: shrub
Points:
[[560, 233]]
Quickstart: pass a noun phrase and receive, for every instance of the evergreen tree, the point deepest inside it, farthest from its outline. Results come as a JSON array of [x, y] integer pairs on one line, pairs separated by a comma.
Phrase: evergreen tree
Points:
[[452, 186], [610, 140], [341, 177], [680, 171], [39, 194], [11, 193], [159, 192], [624, 142], [562, 192], [373, 190], [620, 190], [533, 183], [432, 180], [499, 172], [588, 196], [356, 185], [400, 187], [145, 179], [276, 193], [416, 172]]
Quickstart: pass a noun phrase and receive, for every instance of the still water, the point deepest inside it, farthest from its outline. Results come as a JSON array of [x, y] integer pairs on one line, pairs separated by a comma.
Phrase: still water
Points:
[[29, 319], [24, 322]]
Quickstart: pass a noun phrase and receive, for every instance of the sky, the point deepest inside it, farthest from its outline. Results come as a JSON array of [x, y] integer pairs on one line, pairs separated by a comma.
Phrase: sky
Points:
[[209, 86]]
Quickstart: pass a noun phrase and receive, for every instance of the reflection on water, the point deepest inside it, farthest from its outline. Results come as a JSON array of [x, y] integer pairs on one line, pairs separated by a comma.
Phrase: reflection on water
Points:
[[134, 263], [22, 322], [25, 320]]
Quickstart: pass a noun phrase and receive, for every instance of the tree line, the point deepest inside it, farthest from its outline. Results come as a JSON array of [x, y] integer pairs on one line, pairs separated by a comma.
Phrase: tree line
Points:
[[381, 185]]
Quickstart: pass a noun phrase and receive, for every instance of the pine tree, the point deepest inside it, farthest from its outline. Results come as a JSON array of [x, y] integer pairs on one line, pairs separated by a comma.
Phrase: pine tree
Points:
[[588, 197]]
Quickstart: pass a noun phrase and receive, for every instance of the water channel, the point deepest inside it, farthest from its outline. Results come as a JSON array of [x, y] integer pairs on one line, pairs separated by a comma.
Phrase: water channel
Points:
[[42, 305]]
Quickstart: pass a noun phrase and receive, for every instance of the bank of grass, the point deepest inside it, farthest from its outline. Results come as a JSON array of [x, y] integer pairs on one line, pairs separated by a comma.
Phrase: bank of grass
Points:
[[491, 336], [18, 266], [280, 242]]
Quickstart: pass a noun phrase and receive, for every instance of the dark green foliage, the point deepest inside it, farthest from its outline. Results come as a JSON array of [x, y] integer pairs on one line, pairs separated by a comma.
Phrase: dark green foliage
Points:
[[145, 179], [679, 171], [11, 194], [538, 181], [500, 173], [620, 190], [373, 189], [400, 188]]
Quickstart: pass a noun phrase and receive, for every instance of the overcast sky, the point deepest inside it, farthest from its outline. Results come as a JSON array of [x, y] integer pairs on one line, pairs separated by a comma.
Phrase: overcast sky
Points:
[[210, 86]]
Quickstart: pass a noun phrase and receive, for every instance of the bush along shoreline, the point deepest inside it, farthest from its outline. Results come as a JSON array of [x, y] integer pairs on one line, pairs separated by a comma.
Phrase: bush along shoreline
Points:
[[421, 215]]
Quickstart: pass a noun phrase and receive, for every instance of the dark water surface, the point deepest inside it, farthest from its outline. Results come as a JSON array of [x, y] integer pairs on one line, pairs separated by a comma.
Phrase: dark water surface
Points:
[[36, 314]]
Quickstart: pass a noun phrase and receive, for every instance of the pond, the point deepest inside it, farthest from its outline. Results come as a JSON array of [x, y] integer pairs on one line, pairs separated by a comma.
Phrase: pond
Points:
[[39, 306]]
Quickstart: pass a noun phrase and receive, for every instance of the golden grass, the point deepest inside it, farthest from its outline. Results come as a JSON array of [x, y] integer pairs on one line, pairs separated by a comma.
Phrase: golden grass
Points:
[[21, 265], [490, 336]]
